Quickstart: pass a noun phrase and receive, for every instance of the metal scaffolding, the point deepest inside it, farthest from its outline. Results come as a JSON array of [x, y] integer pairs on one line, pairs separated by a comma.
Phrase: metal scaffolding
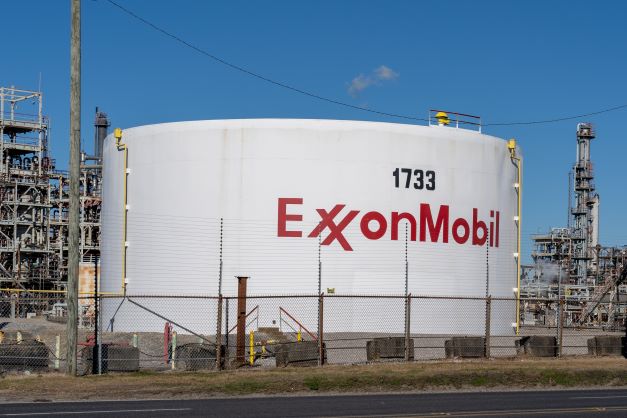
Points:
[[24, 189], [34, 197]]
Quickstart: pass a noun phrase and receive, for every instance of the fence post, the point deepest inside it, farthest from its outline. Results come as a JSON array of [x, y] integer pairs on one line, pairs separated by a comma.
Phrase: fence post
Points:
[[57, 352], [408, 340], [95, 358], [173, 350], [219, 335], [560, 327], [321, 329], [13, 298], [488, 321]]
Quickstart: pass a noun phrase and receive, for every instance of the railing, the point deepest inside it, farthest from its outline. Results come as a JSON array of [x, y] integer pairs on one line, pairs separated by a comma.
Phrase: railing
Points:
[[9, 99], [301, 326], [255, 319], [454, 119]]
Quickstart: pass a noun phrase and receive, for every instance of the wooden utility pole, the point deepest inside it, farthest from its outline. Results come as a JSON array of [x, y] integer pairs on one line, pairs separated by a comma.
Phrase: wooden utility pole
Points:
[[75, 149]]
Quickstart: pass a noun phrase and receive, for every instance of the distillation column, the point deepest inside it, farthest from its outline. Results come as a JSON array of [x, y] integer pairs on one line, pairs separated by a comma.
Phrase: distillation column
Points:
[[585, 233]]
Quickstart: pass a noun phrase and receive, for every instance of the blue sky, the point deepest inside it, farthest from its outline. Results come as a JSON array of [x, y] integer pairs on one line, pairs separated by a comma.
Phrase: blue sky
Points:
[[506, 61]]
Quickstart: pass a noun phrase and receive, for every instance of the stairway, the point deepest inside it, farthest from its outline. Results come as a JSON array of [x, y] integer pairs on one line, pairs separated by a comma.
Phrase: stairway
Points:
[[599, 293]]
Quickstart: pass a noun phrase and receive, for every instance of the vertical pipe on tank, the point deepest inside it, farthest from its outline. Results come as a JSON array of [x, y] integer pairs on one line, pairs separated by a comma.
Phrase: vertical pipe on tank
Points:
[[123, 147], [517, 161]]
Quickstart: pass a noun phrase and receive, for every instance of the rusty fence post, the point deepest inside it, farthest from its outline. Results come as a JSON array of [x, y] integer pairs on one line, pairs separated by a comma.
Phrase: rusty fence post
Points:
[[219, 335], [488, 322], [241, 319], [321, 329]]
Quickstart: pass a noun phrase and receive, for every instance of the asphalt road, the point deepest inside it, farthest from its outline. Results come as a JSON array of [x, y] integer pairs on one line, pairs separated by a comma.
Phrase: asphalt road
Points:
[[581, 403]]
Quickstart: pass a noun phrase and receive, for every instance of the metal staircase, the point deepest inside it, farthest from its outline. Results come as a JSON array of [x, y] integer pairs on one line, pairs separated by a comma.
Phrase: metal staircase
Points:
[[600, 293]]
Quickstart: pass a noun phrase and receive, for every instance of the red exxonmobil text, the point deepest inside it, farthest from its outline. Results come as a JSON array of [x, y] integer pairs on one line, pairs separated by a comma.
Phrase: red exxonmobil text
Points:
[[429, 225]]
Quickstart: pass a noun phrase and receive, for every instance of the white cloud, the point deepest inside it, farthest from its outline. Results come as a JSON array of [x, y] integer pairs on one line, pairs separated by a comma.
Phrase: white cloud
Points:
[[359, 84], [385, 73], [378, 75]]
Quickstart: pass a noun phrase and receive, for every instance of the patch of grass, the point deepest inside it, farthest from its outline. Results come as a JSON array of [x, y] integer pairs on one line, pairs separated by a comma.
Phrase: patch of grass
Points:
[[478, 381], [527, 373], [239, 387], [312, 382]]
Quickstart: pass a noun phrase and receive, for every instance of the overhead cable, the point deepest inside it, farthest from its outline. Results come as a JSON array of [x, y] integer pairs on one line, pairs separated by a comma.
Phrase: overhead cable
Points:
[[256, 75], [326, 99]]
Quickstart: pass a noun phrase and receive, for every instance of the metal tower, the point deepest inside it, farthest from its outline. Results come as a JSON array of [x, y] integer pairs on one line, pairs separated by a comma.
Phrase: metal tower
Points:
[[585, 211]]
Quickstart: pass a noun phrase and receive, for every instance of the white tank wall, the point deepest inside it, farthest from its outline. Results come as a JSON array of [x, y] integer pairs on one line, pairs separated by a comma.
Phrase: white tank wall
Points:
[[186, 176]]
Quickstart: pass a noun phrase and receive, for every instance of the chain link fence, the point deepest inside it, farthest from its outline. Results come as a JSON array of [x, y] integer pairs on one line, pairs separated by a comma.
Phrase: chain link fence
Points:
[[132, 333]]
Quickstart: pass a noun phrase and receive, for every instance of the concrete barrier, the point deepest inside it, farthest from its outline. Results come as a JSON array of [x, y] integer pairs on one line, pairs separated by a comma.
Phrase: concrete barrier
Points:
[[304, 353], [388, 348], [465, 347], [114, 358], [537, 346], [27, 355], [121, 358], [606, 345], [197, 356]]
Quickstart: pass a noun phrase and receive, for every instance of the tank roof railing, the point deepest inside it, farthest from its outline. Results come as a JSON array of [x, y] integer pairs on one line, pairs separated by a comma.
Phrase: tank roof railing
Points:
[[438, 117], [10, 97]]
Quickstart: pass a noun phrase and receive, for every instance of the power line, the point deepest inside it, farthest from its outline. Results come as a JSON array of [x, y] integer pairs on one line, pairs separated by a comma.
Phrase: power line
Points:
[[256, 75], [536, 122], [326, 99]]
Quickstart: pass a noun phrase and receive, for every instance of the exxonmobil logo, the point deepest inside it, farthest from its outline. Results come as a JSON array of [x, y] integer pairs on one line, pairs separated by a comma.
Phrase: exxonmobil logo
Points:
[[428, 225]]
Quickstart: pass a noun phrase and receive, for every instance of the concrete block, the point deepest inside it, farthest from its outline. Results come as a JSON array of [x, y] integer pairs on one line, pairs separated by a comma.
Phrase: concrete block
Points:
[[28, 355], [304, 353], [388, 348], [115, 358], [121, 358], [465, 347], [605, 345], [537, 346], [197, 356]]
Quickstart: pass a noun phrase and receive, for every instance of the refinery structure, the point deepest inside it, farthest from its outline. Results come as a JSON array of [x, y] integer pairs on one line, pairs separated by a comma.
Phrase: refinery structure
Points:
[[34, 198], [248, 183], [570, 263]]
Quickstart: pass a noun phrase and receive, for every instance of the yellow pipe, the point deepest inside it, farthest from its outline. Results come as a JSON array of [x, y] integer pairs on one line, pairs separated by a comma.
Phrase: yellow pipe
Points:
[[511, 145], [252, 348], [123, 147]]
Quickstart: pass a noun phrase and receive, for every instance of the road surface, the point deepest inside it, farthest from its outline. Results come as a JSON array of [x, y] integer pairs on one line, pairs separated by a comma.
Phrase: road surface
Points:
[[580, 403]]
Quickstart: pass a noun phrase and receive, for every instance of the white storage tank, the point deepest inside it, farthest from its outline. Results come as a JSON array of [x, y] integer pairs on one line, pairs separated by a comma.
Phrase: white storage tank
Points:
[[362, 208]]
